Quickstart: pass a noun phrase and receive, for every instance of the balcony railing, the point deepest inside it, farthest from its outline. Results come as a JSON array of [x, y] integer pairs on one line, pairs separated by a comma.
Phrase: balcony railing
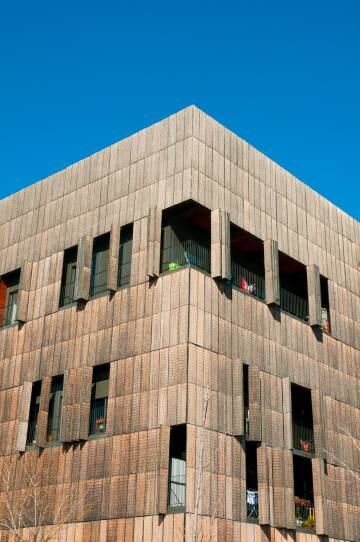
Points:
[[304, 513], [303, 438], [98, 282], [67, 292], [177, 491], [31, 434], [189, 252], [97, 420], [294, 304], [248, 281], [53, 432], [252, 503], [9, 314]]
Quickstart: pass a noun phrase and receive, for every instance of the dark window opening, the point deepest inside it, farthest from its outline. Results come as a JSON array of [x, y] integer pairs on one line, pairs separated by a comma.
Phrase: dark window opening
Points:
[[303, 492], [247, 262], [125, 251], [177, 468], [302, 419], [293, 287], [186, 237], [99, 399], [55, 405], [33, 413], [99, 265], [325, 306], [9, 297], [252, 492], [246, 398], [68, 276]]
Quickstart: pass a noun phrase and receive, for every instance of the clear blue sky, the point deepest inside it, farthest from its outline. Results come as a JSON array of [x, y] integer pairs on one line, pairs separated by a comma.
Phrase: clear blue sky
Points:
[[77, 76]]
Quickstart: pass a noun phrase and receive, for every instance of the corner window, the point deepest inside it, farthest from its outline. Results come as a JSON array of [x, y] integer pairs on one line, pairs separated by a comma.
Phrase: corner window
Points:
[[177, 469], [33, 414], [55, 405], [9, 296], [68, 276], [125, 251], [99, 264], [99, 399]]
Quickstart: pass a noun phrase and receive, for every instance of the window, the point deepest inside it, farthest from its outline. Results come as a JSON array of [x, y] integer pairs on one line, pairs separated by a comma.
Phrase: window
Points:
[[33, 414], [252, 493], [247, 262], [99, 264], [325, 306], [125, 251], [99, 399], [303, 493], [68, 276], [9, 296], [302, 420], [186, 237], [293, 287], [55, 404], [177, 468]]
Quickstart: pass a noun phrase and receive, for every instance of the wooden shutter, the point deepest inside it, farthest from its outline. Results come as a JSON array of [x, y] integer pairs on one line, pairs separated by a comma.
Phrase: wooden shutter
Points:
[[319, 496], [254, 404], [24, 290], [23, 416], [319, 422], [85, 400], [314, 294], [220, 244], [113, 263], [163, 469], [264, 460], [237, 398], [83, 269], [140, 245], [42, 419], [154, 242], [287, 413], [272, 280]]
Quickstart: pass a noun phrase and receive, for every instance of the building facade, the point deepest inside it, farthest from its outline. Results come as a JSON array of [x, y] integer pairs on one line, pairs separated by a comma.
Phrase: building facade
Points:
[[180, 344]]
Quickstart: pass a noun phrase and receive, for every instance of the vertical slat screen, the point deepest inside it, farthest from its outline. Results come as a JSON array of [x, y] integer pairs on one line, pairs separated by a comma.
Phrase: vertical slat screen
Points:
[[163, 469], [113, 263], [24, 289], [85, 400], [83, 269], [319, 496], [154, 241], [23, 417], [254, 404], [42, 420], [272, 279], [237, 398], [220, 244], [314, 294]]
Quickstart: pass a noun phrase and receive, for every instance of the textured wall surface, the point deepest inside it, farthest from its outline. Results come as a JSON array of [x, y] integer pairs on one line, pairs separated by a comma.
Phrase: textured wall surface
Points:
[[170, 337]]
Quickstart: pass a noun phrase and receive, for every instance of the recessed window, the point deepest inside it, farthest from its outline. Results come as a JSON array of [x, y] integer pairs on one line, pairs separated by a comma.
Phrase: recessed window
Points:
[[125, 251], [252, 492], [247, 262], [99, 265], [302, 420], [99, 399], [55, 406], [33, 413], [68, 276], [9, 297], [177, 468], [293, 287], [186, 237], [325, 305], [304, 493]]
